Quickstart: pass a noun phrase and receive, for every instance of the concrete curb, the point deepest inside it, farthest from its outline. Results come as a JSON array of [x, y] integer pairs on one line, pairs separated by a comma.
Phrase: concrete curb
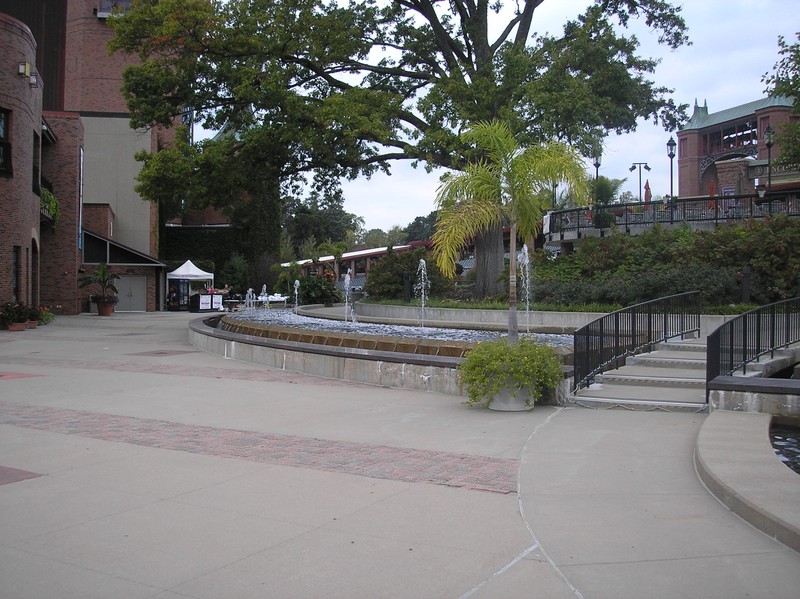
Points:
[[735, 460]]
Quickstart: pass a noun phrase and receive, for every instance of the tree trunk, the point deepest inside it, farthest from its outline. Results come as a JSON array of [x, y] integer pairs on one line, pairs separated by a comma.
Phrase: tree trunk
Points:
[[488, 264]]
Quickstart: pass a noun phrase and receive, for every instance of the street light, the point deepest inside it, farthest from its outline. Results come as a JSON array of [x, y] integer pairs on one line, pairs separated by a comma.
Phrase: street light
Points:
[[671, 153], [768, 141], [633, 168], [596, 163]]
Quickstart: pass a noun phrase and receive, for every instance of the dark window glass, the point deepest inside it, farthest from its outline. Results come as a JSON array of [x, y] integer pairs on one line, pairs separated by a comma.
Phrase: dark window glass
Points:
[[5, 143]]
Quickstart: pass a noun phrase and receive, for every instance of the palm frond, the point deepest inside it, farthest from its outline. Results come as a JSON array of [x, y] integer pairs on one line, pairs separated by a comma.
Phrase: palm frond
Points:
[[457, 224]]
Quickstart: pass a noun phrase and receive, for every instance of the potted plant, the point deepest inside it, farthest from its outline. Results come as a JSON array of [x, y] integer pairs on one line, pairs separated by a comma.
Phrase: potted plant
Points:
[[509, 377], [107, 297], [602, 219], [33, 317], [45, 315], [14, 316]]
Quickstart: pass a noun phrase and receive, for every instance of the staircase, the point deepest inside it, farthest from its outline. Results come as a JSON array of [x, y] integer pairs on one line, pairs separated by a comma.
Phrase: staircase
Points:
[[672, 377]]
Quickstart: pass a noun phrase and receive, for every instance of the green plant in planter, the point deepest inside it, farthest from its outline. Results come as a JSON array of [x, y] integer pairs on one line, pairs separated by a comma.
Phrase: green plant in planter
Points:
[[34, 313], [525, 367], [45, 315], [13, 312], [602, 219], [49, 202], [104, 279]]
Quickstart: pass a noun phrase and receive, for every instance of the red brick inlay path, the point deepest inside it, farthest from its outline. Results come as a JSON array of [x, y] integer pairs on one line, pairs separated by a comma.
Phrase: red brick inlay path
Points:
[[498, 475]]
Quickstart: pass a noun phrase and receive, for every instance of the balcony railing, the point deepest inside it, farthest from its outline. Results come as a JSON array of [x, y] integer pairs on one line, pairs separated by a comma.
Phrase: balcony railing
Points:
[[603, 344], [715, 209]]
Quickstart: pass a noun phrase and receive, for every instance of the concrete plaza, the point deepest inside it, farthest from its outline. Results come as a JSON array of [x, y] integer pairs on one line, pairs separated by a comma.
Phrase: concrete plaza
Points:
[[136, 466]]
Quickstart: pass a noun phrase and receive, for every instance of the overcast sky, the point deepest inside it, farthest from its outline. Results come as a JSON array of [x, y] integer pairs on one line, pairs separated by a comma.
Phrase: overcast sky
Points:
[[735, 42]]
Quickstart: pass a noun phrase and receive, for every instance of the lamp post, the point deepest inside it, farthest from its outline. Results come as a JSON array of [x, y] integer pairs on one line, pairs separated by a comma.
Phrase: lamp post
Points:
[[633, 168], [768, 141], [596, 163], [671, 153]]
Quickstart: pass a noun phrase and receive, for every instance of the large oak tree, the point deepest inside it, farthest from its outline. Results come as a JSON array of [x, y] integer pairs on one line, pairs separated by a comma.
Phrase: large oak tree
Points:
[[343, 88]]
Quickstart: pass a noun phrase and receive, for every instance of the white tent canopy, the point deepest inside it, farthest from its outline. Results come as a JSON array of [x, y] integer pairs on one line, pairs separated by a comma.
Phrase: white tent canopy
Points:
[[190, 272]]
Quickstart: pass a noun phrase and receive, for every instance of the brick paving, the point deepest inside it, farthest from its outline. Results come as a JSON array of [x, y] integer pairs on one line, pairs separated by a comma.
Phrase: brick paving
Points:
[[497, 475]]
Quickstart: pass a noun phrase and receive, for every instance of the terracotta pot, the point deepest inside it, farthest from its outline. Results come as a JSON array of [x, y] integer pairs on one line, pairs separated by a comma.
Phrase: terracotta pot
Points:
[[17, 326], [32, 324], [105, 308]]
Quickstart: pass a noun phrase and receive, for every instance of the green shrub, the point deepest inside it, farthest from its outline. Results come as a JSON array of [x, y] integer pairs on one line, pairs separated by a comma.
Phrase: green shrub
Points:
[[45, 315], [234, 273], [626, 269], [526, 366], [318, 290], [385, 280]]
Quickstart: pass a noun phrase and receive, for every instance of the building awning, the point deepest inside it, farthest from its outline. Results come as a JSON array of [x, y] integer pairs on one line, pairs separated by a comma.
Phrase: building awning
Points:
[[97, 249]]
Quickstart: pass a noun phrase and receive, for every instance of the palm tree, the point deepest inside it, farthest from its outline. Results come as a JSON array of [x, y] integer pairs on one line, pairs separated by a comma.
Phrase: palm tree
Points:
[[509, 183]]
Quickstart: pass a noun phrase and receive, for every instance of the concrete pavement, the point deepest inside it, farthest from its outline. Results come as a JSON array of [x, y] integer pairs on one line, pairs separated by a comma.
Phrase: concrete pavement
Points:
[[137, 466]]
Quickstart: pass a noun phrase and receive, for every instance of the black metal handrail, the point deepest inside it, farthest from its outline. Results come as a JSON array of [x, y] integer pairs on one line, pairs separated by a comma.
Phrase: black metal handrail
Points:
[[603, 344], [751, 335], [709, 209]]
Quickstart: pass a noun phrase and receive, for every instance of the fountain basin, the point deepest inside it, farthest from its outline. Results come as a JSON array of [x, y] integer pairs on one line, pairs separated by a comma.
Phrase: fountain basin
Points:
[[337, 339], [385, 360], [299, 353]]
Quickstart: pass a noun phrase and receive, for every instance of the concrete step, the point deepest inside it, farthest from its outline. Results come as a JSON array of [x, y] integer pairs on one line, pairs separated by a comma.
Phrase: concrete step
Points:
[[638, 404], [668, 380], [671, 377], [670, 359], [643, 397], [688, 345]]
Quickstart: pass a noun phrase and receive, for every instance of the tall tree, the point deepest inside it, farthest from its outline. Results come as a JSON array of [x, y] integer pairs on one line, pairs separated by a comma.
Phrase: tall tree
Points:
[[350, 87], [510, 184], [785, 81], [320, 217], [421, 228]]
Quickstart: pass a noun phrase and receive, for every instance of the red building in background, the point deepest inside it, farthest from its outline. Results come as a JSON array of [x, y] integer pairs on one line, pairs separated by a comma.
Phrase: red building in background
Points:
[[725, 152]]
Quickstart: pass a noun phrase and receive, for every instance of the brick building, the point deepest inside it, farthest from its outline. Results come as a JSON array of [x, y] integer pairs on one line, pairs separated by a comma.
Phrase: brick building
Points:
[[725, 152], [68, 131], [20, 139]]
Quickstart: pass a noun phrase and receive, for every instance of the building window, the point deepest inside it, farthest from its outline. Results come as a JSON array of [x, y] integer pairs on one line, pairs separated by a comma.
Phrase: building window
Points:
[[107, 7], [5, 143], [36, 183]]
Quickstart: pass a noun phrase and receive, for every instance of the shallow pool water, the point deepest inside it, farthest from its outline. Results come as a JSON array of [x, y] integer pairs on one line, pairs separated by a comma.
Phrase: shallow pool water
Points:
[[786, 443], [287, 318]]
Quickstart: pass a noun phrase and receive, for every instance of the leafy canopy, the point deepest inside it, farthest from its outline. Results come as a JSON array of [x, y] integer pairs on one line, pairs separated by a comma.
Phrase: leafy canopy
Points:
[[352, 85], [785, 81], [342, 89]]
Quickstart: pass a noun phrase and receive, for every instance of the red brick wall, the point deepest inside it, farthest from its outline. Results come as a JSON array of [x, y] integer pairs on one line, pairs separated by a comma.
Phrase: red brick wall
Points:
[[19, 217], [93, 77], [61, 256], [149, 272], [688, 163], [99, 219]]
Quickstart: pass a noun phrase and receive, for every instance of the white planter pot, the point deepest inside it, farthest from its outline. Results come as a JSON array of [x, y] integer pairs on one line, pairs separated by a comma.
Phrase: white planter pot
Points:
[[505, 401]]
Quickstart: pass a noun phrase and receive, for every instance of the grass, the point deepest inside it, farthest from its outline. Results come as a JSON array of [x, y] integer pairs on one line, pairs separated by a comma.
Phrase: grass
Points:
[[496, 305]]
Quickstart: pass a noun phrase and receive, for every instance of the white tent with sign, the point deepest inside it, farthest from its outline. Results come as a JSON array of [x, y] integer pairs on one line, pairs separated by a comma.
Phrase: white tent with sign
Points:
[[189, 272], [188, 280]]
